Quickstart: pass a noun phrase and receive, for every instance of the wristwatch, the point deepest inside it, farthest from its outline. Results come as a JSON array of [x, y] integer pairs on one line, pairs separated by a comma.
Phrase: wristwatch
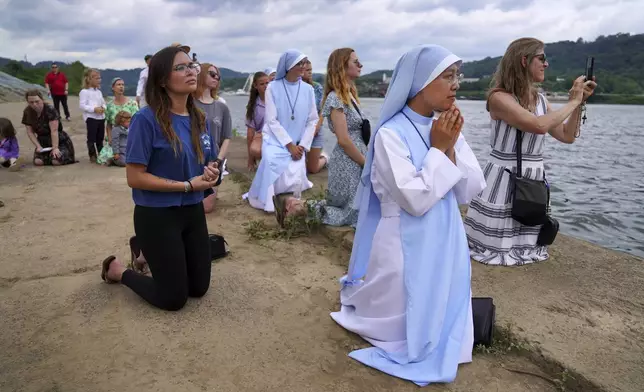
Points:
[[186, 186]]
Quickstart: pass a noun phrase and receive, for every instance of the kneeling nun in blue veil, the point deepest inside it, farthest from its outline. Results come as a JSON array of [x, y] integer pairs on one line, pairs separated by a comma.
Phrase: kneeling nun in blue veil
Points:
[[407, 291], [289, 126]]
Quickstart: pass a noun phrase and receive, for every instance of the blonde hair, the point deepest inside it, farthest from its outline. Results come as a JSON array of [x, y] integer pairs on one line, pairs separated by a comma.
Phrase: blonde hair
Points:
[[336, 77], [513, 77], [87, 76], [201, 82], [121, 117]]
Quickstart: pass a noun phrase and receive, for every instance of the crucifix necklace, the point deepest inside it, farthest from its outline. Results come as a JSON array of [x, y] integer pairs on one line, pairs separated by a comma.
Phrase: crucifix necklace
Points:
[[289, 98]]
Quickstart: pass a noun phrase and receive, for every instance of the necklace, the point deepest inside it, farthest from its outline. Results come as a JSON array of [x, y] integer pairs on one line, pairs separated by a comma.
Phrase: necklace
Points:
[[289, 98], [417, 131]]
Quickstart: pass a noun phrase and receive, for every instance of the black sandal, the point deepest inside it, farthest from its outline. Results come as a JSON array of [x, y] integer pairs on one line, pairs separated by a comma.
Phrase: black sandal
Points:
[[106, 266]]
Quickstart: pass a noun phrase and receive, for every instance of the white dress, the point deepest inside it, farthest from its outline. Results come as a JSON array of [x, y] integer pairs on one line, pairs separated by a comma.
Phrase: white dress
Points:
[[495, 238], [376, 309], [283, 124]]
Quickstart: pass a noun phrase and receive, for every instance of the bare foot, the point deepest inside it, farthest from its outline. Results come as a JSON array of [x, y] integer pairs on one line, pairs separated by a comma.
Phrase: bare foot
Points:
[[294, 206], [115, 271]]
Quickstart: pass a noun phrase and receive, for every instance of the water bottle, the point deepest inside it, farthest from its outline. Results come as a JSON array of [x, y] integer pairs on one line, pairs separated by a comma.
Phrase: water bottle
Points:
[[297, 191]]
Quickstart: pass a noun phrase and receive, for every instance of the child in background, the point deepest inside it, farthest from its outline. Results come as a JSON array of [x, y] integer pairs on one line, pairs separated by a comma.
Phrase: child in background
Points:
[[9, 149], [93, 106], [119, 138]]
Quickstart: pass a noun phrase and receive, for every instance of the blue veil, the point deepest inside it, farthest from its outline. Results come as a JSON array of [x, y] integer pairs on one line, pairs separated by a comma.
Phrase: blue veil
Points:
[[413, 72], [287, 61]]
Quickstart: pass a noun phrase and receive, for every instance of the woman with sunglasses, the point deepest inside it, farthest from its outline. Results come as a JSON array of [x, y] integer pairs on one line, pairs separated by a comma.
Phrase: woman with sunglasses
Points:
[[514, 104], [169, 144], [217, 115], [289, 127]]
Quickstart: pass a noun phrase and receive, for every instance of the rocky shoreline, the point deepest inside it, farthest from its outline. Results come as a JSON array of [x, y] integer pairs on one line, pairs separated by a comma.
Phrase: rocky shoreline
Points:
[[581, 312]]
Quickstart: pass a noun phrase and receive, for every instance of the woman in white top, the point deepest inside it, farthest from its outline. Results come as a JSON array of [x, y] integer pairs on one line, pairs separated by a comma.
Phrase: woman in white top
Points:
[[93, 107]]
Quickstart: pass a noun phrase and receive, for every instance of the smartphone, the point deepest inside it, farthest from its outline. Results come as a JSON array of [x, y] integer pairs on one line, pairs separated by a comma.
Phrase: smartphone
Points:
[[590, 68], [221, 168]]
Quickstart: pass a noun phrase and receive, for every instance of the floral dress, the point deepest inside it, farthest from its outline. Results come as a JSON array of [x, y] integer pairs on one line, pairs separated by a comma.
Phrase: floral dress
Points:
[[111, 111], [344, 173]]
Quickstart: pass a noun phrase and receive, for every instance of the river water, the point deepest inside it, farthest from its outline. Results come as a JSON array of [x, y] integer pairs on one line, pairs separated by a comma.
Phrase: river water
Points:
[[597, 183]]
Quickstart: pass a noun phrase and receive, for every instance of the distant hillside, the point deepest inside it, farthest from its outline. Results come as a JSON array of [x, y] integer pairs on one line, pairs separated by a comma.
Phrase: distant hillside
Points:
[[35, 73], [619, 65], [619, 69]]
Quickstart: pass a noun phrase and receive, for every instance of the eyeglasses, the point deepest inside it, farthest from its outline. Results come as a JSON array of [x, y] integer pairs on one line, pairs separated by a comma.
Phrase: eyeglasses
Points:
[[214, 75], [194, 67], [542, 57], [54, 66], [455, 78]]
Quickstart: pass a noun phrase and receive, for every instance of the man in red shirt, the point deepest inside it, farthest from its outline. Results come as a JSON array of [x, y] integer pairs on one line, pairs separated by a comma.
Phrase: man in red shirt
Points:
[[57, 85]]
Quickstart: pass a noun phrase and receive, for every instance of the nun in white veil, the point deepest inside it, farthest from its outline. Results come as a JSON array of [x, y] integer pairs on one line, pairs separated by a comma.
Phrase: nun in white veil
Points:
[[270, 72], [407, 291]]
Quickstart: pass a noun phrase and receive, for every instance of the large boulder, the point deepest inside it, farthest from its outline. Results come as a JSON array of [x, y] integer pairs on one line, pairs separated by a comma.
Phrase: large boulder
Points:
[[13, 89]]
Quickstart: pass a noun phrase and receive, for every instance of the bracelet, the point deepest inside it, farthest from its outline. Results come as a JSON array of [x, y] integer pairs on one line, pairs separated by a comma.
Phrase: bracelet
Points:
[[192, 189]]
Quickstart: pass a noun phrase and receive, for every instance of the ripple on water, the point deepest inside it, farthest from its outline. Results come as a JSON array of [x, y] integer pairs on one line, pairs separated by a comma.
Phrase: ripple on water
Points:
[[597, 191]]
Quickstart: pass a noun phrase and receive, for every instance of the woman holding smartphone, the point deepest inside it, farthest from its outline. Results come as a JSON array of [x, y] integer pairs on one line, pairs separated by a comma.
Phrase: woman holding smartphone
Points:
[[169, 142], [516, 107]]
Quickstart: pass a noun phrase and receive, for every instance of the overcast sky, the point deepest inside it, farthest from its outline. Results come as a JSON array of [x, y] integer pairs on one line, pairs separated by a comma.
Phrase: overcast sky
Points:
[[247, 35]]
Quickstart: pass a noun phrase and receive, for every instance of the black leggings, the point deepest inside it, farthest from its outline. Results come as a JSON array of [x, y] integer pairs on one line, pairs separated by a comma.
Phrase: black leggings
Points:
[[174, 242], [95, 135]]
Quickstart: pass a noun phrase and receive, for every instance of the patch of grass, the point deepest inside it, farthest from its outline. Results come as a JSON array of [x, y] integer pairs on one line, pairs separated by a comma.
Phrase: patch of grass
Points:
[[243, 180], [236, 132], [316, 193], [507, 342], [504, 342], [294, 227]]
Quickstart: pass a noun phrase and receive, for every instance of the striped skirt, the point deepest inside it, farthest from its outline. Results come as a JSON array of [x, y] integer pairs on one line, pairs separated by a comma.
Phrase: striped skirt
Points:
[[494, 237]]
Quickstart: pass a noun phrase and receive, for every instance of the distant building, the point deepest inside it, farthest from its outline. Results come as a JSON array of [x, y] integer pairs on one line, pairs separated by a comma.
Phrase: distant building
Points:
[[385, 79], [471, 80]]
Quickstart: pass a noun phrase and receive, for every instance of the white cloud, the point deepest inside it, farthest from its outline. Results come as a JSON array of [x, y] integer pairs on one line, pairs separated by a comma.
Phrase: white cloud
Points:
[[247, 35]]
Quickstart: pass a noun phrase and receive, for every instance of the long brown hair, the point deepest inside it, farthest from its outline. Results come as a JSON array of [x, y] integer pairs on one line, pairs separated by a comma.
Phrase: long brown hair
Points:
[[157, 97], [513, 77], [336, 77], [252, 99], [201, 82]]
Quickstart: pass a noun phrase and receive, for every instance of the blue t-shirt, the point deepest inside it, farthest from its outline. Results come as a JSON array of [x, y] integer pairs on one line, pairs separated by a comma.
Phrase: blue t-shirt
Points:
[[147, 146]]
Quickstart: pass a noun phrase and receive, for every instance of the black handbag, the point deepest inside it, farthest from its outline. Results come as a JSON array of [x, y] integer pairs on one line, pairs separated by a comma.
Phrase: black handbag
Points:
[[530, 198], [484, 317], [218, 247], [365, 130], [548, 232]]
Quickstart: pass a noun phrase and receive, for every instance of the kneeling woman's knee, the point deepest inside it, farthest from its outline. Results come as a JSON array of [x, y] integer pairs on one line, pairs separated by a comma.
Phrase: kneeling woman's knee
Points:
[[209, 203], [38, 162], [198, 292], [256, 151], [175, 301]]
